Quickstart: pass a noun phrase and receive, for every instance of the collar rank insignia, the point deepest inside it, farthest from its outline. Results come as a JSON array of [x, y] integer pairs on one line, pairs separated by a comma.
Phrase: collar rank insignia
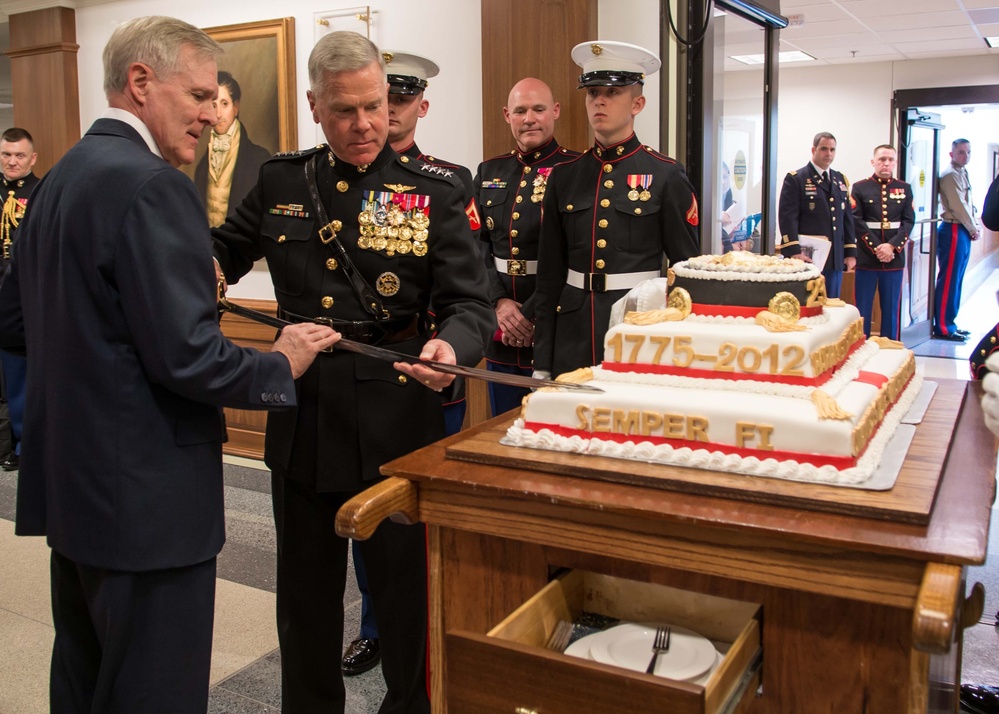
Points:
[[398, 187], [437, 170]]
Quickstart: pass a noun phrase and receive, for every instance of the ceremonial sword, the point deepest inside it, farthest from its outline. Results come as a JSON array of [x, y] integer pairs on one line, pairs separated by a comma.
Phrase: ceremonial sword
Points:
[[386, 355]]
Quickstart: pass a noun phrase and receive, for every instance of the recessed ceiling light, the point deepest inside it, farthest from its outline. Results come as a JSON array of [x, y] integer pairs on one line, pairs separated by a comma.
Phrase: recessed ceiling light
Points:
[[992, 41], [789, 56]]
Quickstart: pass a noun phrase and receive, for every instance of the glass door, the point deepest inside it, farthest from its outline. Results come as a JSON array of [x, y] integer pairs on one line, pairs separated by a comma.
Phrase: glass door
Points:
[[919, 169]]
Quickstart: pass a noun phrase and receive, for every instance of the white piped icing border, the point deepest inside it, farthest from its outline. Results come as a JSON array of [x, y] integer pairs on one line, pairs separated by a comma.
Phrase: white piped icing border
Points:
[[779, 272], [813, 321], [790, 470]]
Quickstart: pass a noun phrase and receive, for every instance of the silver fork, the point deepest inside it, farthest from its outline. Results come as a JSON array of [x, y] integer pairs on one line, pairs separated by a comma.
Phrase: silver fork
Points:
[[660, 645]]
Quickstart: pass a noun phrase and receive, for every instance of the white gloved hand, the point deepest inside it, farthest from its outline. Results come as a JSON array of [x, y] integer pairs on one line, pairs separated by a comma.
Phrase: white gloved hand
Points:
[[990, 400]]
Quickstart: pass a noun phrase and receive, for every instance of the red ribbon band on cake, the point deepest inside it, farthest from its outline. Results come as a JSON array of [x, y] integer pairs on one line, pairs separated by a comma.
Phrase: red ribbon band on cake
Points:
[[694, 373], [872, 378], [699, 308]]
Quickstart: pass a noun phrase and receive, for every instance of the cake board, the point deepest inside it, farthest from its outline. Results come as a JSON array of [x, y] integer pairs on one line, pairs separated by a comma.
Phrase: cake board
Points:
[[909, 501]]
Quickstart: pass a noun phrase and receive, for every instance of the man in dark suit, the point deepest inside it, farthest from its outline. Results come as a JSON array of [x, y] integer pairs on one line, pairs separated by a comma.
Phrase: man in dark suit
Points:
[[230, 166], [610, 216], [367, 240], [815, 201], [111, 293]]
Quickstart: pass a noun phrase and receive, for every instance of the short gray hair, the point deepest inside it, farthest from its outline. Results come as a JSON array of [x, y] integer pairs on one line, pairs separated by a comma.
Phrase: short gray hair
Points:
[[155, 41], [341, 51]]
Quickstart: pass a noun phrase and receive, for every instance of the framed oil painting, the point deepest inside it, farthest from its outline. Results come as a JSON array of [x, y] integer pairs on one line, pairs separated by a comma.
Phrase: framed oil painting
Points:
[[256, 108]]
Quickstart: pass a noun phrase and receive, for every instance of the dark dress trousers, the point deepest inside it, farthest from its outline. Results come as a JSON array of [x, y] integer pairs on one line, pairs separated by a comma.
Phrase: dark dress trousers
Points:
[[355, 413], [510, 189], [882, 213], [810, 205], [111, 292], [597, 225], [249, 159]]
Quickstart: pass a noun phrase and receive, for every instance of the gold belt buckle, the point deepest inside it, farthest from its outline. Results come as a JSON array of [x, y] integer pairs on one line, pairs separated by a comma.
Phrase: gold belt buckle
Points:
[[885, 225], [328, 321], [516, 267]]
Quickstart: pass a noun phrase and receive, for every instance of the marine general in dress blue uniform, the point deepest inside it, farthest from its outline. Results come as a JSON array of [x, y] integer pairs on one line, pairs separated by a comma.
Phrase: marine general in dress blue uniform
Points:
[[815, 201], [401, 223], [610, 216], [883, 217], [510, 189]]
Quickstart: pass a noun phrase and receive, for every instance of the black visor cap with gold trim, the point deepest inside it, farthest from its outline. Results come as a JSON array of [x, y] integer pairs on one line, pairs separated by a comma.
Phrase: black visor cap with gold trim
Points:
[[405, 84], [610, 78]]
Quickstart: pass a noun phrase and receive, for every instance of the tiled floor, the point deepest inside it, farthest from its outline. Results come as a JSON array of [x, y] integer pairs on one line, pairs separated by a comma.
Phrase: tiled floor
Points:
[[246, 661]]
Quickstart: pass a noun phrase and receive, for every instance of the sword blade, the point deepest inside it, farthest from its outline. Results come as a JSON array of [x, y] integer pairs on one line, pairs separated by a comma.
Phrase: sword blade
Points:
[[387, 355]]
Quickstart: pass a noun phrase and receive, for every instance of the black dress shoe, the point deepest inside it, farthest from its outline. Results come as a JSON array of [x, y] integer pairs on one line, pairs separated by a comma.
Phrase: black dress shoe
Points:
[[361, 656], [11, 463], [965, 333], [952, 337], [980, 698]]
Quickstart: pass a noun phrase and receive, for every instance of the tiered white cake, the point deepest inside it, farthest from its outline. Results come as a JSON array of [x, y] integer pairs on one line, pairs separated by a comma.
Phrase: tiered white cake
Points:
[[747, 368]]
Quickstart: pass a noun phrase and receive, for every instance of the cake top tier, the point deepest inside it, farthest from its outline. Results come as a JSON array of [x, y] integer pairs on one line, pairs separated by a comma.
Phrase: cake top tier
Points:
[[742, 265]]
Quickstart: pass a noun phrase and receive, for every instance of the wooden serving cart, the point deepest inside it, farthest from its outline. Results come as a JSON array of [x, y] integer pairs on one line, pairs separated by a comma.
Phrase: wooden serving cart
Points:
[[828, 599]]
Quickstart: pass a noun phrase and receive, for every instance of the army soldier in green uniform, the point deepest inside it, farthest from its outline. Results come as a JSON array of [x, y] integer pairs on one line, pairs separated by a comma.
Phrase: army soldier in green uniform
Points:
[[509, 189], [609, 216], [359, 236]]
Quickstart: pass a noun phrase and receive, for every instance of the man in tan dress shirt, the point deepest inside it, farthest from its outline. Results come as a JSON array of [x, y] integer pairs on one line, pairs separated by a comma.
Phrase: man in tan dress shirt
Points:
[[957, 229]]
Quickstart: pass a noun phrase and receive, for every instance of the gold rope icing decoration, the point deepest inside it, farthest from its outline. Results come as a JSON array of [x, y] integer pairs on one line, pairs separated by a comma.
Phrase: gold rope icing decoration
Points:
[[776, 323], [833, 302], [827, 408], [577, 376], [886, 343], [653, 317]]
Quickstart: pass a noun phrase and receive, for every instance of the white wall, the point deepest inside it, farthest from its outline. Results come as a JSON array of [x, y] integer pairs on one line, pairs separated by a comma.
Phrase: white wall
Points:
[[452, 129], [638, 26], [853, 102]]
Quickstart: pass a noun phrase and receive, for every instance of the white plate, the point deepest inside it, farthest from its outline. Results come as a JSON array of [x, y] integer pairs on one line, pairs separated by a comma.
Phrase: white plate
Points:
[[630, 646], [581, 647]]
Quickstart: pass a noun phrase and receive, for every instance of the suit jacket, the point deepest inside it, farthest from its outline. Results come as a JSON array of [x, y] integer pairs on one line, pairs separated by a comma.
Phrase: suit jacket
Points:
[[249, 159], [356, 413], [875, 202], [990, 211], [111, 290], [509, 189], [594, 223], [811, 206]]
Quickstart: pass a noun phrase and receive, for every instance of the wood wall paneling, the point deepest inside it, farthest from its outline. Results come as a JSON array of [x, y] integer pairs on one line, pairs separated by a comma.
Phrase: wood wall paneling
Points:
[[533, 38], [44, 80]]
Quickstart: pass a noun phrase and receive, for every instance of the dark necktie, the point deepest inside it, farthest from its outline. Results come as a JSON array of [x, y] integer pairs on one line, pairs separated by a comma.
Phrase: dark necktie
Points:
[[825, 176]]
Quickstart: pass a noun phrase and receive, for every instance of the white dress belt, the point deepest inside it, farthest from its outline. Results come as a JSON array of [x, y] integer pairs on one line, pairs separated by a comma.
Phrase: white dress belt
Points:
[[885, 224], [516, 267], [602, 282]]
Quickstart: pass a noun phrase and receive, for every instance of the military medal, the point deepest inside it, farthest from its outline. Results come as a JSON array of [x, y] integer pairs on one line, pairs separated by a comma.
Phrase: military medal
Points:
[[540, 184], [636, 181], [394, 222]]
